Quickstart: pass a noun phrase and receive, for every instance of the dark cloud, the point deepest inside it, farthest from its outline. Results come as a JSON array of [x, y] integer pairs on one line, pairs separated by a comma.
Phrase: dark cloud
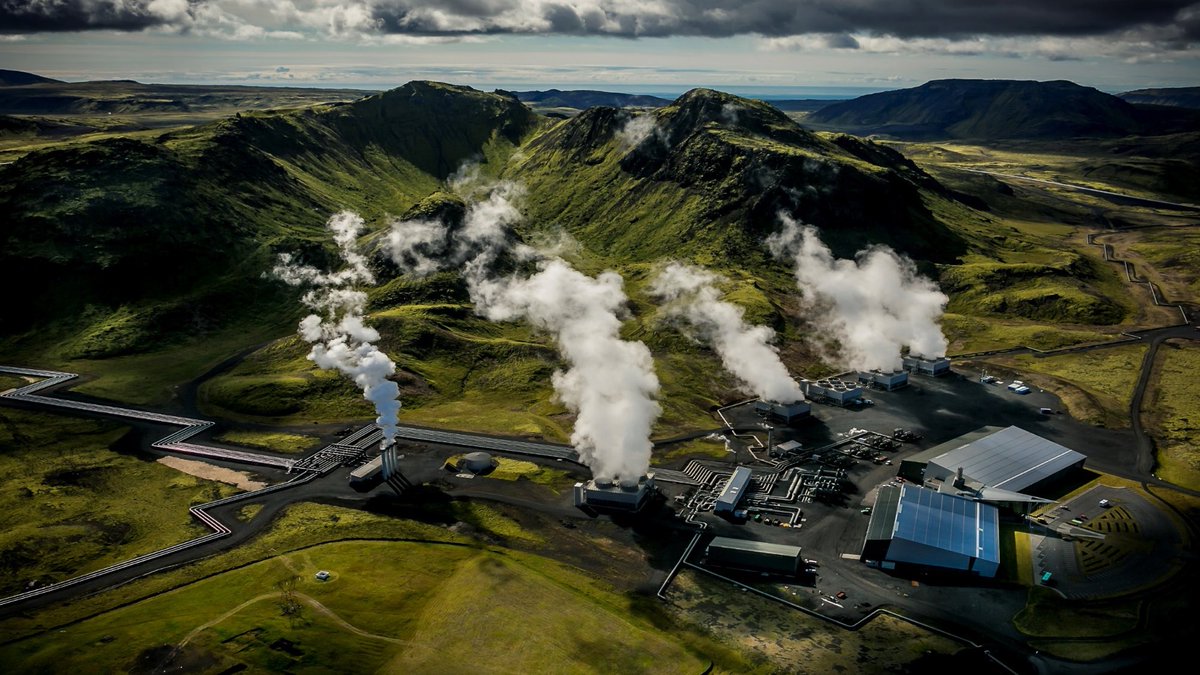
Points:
[[777, 18], [36, 16], [1177, 21]]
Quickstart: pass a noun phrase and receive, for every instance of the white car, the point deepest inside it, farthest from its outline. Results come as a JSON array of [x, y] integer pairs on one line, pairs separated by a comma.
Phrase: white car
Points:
[[1105, 503]]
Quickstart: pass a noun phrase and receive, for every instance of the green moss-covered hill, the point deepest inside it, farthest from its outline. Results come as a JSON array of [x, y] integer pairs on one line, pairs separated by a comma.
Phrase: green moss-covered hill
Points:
[[708, 175], [173, 221], [142, 261]]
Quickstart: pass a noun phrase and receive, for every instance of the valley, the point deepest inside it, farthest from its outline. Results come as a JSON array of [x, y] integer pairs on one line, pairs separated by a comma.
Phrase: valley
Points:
[[151, 240]]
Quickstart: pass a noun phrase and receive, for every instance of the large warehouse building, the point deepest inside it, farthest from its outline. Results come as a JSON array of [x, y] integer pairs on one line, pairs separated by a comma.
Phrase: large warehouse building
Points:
[[920, 528], [1009, 463]]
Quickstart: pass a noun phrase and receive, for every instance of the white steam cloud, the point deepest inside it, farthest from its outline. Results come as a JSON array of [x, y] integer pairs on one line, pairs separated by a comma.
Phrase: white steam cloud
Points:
[[611, 383], [691, 295], [416, 246], [337, 331], [422, 246], [876, 304], [637, 129]]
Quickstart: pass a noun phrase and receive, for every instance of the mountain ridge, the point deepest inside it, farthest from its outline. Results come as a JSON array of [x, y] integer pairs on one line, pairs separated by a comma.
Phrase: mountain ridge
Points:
[[988, 109]]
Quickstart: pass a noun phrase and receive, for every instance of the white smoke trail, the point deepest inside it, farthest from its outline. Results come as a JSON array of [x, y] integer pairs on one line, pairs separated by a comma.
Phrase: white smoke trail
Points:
[[417, 246], [876, 304], [422, 246], [746, 351], [637, 129], [611, 383], [339, 336]]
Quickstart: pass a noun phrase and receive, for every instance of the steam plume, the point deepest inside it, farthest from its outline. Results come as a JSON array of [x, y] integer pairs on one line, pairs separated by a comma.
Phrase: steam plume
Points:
[[637, 129], [424, 246], [337, 331], [746, 351], [876, 304], [610, 384]]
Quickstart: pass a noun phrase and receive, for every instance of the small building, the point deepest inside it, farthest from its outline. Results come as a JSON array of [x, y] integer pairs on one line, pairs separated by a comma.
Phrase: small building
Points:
[[789, 446], [784, 412], [609, 495], [754, 556], [887, 381], [733, 491], [931, 367], [914, 527]]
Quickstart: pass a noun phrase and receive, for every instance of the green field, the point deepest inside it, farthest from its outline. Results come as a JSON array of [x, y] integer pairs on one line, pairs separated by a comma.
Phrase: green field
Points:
[[71, 505], [406, 606], [270, 440], [518, 470], [11, 382], [1096, 386], [977, 334], [1172, 408], [1174, 253]]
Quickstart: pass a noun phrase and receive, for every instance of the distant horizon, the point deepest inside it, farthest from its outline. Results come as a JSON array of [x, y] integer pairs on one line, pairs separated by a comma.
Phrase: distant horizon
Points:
[[765, 93]]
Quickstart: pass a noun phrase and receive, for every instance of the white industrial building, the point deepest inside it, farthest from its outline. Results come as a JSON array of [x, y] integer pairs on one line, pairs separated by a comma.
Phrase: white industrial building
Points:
[[1008, 466]]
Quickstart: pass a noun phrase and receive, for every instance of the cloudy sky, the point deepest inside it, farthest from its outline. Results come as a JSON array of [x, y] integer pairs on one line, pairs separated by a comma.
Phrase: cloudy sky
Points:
[[767, 46]]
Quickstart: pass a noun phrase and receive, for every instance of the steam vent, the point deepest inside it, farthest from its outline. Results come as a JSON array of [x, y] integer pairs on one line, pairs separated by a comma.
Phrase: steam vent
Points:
[[608, 495]]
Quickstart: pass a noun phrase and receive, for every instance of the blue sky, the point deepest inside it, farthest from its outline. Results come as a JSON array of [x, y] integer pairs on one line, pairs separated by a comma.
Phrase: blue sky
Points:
[[811, 47]]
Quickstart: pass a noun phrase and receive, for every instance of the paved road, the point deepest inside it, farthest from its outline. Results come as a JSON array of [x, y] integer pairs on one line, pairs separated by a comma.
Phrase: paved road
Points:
[[1143, 201]]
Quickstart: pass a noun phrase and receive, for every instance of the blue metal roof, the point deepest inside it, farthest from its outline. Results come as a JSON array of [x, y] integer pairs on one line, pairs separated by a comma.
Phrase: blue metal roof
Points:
[[949, 523]]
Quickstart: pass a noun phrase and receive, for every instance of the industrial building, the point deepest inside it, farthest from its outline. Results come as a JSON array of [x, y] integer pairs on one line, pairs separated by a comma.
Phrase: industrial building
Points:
[[753, 556], [931, 367], [1010, 463], [916, 527], [887, 381], [837, 392], [784, 412], [607, 495], [733, 491]]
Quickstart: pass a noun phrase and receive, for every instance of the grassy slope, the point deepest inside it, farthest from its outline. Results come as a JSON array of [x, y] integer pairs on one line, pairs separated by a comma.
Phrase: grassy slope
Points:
[[542, 617], [1155, 167], [1096, 387], [71, 505], [266, 440], [246, 186], [1172, 409]]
